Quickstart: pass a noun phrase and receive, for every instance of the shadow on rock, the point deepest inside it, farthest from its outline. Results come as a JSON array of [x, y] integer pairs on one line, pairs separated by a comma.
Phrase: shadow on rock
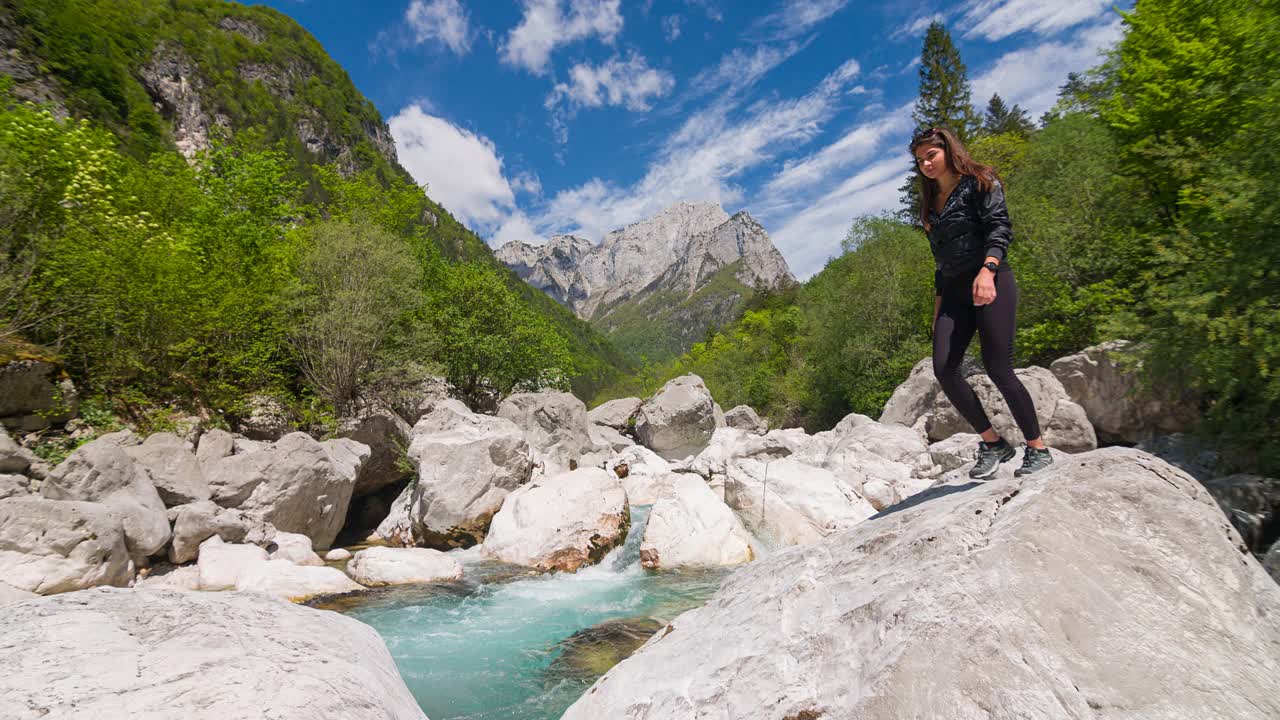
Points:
[[924, 497]]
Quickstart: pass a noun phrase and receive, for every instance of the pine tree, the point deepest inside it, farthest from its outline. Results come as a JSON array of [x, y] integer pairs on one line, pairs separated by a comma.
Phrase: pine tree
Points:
[[944, 86], [944, 100], [1001, 119]]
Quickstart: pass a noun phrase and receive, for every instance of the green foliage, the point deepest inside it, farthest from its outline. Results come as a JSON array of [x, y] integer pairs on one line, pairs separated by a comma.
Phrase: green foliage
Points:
[[1076, 249], [178, 283], [96, 49], [867, 317], [490, 344], [1194, 107], [1001, 118], [944, 100], [664, 324], [355, 283]]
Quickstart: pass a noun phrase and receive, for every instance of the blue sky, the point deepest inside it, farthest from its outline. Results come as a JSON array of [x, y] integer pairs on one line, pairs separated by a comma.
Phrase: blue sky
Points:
[[528, 118]]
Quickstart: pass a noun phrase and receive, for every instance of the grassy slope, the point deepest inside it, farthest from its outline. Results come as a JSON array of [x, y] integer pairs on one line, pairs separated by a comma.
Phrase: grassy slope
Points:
[[666, 323]]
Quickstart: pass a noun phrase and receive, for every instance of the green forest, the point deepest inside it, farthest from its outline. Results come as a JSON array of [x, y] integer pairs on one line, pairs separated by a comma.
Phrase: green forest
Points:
[[166, 287], [1143, 207]]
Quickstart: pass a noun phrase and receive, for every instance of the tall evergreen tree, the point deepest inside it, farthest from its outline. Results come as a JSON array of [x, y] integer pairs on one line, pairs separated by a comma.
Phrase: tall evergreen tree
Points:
[[1001, 118], [944, 100], [944, 86]]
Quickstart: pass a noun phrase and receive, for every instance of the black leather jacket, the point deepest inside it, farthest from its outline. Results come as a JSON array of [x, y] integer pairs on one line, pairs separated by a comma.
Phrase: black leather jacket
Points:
[[972, 225]]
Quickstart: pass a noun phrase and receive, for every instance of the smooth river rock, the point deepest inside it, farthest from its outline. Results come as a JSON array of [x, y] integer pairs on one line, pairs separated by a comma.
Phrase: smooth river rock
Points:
[[555, 425], [467, 464], [692, 527], [378, 566], [618, 414], [56, 546], [679, 419], [1109, 586], [174, 470], [786, 502], [645, 476], [1120, 410], [102, 472], [560, 522], [109, 654], [293, 484]]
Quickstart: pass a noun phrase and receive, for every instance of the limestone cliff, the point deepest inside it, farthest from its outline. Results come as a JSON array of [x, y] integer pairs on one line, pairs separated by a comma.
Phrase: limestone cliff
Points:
[[656, 286]]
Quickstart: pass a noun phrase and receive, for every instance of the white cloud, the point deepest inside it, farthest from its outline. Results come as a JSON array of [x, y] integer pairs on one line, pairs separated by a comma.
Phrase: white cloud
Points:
[[545, 25], [702, 160], [461, 170], [671, 27], [442, 20], [998, 19], [1030, 76], [516, 227], [808, 238], [797, 17], [709, 7], [812, 219], [739, 69], [629, 83], [527, 182], [915, 28], [853, 148]]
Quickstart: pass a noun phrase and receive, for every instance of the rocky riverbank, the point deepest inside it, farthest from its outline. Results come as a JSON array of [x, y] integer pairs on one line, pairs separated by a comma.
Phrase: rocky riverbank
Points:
[[902, 551]]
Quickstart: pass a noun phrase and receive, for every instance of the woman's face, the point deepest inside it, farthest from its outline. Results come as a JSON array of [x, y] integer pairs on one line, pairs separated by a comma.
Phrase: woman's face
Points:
[[932, 161]]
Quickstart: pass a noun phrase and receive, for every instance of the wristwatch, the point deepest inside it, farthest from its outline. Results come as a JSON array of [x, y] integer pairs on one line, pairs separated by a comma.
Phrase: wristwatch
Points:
[[993, 267]]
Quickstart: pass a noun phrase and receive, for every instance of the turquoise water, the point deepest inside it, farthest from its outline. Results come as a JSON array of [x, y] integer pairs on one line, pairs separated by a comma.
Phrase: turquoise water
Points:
[[482, 649]]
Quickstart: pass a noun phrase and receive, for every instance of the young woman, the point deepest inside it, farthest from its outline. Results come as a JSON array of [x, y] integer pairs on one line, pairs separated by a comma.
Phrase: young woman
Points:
[[963, 211]]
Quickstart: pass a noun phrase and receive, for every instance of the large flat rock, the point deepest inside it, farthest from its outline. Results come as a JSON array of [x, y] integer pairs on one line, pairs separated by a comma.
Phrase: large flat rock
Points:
[[1108, 586], [113, 654]]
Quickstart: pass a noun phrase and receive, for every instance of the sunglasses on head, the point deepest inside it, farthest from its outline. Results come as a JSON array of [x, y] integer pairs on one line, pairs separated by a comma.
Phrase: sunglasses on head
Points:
[[928, 133]]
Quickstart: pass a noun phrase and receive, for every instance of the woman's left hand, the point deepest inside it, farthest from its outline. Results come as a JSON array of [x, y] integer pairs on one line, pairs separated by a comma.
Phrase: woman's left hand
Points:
[[984, 287]]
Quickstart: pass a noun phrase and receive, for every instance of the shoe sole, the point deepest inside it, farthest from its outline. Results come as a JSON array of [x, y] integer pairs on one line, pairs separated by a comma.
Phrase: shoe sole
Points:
[[1004, 457]]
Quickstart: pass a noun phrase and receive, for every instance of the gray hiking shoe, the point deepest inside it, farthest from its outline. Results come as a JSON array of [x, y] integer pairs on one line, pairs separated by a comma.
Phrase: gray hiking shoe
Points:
[[989, 456], [1033, 460]]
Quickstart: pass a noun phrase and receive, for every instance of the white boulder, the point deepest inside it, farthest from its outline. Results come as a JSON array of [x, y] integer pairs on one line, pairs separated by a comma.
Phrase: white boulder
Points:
[[1111, 587], [789, 503], [691, 527], [743, 417], [292, 484], [560, 522], [555, 424], [467, 464], [293, 547], [386, 435], [102, 472], [644, 475], [679, 419], [377, 566], [295, 583], [56, 546], [161, 654], [173, 467], [222, 565], [1113, 399], [196, 522], [618, 414]]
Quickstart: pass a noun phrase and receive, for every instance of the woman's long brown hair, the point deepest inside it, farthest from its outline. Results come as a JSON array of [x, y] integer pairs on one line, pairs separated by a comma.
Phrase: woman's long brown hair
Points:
[[957, 159]]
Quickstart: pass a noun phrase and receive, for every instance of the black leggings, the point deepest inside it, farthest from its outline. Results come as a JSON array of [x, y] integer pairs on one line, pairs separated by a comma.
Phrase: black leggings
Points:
[[958, 318]]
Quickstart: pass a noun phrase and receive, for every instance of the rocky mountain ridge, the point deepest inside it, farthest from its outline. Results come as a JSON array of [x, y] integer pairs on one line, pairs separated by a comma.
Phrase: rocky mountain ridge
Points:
[[677, 249], [658, 285]]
